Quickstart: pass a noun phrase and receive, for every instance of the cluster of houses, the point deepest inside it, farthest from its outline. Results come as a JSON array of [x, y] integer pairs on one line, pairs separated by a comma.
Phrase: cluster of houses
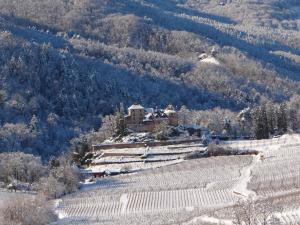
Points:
[[141, 119]]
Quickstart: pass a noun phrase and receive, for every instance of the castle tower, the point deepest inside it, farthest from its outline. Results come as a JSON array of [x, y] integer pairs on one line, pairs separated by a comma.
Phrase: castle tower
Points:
[[172, 115], [136, 114]]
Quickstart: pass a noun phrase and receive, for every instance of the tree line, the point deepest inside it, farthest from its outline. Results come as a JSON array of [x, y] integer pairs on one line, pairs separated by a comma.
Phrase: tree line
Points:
[[270, 120]]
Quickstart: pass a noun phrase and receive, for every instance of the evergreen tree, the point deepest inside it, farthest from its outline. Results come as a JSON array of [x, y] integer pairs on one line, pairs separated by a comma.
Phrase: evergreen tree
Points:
[[271, 117], [120, 121], [260, 122], [257, 124], [227, 126], [282, 120], [293, 122], [264, 122]]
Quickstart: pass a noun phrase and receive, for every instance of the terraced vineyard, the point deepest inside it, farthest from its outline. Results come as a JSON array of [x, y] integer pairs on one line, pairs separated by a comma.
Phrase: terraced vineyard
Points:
[[177, 194], [185, 187], [140, 158], [279, 172]]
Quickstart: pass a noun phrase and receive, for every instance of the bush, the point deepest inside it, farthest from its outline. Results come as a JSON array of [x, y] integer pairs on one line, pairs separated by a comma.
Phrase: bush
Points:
[[79, 148], [215, 150], [27, 210], [161, 136]]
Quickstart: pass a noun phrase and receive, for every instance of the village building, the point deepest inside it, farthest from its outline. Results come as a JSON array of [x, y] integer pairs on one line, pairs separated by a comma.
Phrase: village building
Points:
[[140, 119], [136, 114]]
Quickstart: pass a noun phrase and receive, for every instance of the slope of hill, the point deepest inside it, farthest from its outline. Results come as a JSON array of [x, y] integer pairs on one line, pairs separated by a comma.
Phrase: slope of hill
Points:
[[65, 63]]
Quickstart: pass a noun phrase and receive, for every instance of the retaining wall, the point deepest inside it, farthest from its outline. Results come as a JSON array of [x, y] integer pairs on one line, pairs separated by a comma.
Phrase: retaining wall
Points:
[[142, 144]]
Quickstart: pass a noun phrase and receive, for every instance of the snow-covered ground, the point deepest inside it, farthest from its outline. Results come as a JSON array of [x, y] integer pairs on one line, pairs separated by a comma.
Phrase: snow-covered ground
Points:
[[4, 196], [210, 60], [140, 158], [191, 192], [241, 187]]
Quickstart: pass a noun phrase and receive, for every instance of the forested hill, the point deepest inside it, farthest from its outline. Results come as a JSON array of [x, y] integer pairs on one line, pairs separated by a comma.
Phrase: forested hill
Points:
[[63, 64]]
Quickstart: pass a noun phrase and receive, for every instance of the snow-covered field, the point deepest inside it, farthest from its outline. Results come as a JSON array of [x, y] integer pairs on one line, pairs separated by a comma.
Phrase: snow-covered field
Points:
[[3, 197], [191, 191]]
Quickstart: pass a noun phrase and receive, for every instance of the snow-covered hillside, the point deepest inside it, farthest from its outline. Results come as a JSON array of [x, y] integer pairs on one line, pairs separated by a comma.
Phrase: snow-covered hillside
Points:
[[65, 63]]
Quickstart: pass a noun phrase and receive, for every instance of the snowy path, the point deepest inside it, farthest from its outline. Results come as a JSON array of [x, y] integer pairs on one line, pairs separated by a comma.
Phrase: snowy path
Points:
[[241, 188]]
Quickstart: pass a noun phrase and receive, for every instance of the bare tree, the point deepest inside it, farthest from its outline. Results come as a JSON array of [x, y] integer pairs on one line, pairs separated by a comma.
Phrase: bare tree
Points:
[[62, 177], [51, 187], [253, 212], [109, 126], [184, 115], [21, 167], [160, 130]]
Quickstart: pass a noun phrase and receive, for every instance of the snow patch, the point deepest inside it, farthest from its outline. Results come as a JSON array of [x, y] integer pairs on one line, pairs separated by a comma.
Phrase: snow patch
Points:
[[211, 60], [124, 202], [189, 209], [60, 213]]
